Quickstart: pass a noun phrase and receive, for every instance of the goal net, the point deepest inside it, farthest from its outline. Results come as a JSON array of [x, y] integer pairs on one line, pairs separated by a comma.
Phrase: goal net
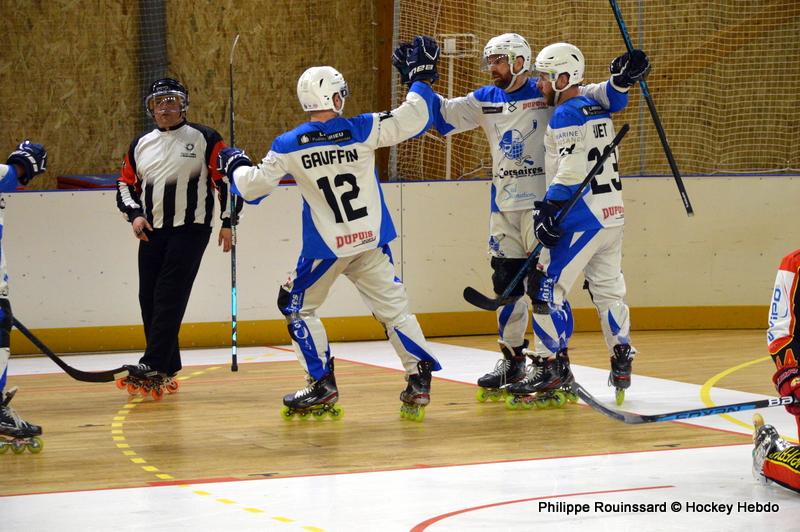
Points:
[[725, 78]]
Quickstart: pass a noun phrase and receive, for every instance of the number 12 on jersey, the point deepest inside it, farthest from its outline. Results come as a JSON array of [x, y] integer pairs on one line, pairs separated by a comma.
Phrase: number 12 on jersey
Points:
[[346, 196]]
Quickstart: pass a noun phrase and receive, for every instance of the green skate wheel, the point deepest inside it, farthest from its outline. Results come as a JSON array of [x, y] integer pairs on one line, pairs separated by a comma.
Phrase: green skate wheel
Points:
[[286, 414], [4, 446], [619, 396], [36, 445], [571, 397], [541, 403], [559, 399], [336, 412], [420, 414], [17, 448], [497, 396], [318, 414], [480, 395], [511, 402]]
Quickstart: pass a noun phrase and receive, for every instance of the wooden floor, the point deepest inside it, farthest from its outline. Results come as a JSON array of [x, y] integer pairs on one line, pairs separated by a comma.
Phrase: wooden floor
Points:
[[223, 425]]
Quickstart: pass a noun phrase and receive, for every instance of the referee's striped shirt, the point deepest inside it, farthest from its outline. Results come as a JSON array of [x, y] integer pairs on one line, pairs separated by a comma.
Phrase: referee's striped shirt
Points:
[[169, 176]]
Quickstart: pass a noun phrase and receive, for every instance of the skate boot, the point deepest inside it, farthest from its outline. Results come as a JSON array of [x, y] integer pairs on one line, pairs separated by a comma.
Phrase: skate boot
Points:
[[509, 369], [767, 441], [315, 400], [15, 433], [546, 385], [620, 375], [417, 394], [145, 381]]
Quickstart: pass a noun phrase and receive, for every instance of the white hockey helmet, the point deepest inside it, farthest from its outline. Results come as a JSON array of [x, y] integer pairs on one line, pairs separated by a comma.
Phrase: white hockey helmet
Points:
[[316, 87], [561, 58], [510, 45]]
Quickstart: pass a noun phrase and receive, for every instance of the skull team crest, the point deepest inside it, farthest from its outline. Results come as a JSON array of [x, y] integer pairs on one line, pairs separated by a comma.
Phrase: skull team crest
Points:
[[512, 144]]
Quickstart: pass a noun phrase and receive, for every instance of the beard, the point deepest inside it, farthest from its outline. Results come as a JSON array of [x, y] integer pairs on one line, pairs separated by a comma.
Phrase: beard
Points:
[[502, 82]]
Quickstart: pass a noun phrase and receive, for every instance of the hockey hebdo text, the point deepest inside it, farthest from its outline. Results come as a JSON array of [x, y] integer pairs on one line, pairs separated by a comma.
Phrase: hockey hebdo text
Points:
[[599, 507]]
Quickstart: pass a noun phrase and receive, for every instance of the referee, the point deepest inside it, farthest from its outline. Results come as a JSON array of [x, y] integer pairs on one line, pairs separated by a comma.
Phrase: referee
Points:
[[166, 191]]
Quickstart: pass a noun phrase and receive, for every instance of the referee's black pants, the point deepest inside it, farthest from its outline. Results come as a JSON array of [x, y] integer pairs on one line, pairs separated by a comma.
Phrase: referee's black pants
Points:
[[168, 265]]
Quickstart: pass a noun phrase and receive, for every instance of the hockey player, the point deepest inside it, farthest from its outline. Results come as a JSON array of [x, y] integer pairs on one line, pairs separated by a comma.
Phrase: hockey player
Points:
[[589, 238], [346, 224], [774, 459], [513, 114], [24, 163], [165, 191]]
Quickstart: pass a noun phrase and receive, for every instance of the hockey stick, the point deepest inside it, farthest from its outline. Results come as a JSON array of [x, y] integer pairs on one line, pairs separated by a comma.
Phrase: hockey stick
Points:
[[234, 221], [635, 419], [487, 303], [78, 375], [654, 114]]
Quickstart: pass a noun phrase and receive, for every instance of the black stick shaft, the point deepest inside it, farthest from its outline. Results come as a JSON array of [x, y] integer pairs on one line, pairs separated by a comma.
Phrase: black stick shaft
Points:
[[234, 222], [654, 114]]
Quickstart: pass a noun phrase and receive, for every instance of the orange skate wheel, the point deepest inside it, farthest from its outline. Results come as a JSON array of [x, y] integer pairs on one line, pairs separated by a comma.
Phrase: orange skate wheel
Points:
[[132, 389], [157, 393], [121, 384], [172, 386]]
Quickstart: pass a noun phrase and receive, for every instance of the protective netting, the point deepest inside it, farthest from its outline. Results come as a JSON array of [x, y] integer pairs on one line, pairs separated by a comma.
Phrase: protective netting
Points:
[[725, 78]]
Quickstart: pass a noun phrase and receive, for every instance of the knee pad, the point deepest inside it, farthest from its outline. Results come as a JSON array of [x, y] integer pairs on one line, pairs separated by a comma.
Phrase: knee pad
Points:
[[504, 272]]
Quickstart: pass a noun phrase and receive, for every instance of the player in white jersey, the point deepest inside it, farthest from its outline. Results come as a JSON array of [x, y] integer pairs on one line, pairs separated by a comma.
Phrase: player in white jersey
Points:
[[24, 163], [513, 114], [588, 240], [346, 224]]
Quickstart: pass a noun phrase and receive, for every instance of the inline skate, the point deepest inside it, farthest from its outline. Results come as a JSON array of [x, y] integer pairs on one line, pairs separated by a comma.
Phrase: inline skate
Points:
[[15, 433], [508, 370], [620, 375], [417, 394], [546, 385], [145, 381], [316, 400]]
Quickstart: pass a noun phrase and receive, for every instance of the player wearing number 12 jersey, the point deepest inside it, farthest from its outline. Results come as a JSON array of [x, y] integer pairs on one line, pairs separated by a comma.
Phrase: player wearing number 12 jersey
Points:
[[346, 224]]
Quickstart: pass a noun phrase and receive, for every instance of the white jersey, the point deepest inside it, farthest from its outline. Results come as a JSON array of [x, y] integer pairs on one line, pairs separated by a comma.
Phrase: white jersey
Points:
[[514, 124], [333, 163], [577, 134], [7, 184]]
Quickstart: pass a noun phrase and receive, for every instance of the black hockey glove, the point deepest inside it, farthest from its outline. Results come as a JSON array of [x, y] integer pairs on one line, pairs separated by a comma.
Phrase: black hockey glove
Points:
[[31, 157], [422, 59], [629, 68], [400, 61], [229, 159], [544, 220]]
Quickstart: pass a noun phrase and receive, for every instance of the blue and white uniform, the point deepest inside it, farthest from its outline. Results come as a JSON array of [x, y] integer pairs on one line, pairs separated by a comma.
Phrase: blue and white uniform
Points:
[[346, 224], [514, 124], [591, 240], [8, 183]]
